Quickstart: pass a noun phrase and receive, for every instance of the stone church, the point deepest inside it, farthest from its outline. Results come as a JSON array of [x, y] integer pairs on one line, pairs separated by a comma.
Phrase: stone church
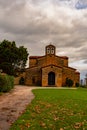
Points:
[[50, 70]]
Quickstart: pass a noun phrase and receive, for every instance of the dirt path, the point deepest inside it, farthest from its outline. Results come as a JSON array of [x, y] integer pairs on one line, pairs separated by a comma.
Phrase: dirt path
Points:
[[13, 104]]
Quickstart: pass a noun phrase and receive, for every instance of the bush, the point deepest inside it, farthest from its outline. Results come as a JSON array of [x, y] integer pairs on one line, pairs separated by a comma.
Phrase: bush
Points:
[[22, 81], [83, 86], [69, 82], [6, 83], [77, 85]]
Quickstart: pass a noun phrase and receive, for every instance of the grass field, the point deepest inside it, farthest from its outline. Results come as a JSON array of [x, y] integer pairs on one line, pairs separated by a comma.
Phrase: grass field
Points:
[[55, 109]]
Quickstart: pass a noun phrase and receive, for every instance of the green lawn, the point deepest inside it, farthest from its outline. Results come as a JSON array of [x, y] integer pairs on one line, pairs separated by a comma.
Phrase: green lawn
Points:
[[55, 109]]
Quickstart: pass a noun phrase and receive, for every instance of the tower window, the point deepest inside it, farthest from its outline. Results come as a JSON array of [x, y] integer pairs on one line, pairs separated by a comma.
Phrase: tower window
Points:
[[48, 50], [52, 50]]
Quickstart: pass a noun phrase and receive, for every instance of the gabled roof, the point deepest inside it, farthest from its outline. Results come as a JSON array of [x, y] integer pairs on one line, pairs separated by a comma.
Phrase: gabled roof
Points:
[[35, 57], [64, 57], [77, 72], [50, 45]]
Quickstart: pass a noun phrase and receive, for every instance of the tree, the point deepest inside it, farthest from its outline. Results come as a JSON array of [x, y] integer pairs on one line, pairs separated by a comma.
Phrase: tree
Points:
[[69, 82], [12, 58]]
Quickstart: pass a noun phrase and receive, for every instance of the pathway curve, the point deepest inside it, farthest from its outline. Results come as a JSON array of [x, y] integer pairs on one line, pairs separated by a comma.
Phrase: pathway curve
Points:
[[13, 104]]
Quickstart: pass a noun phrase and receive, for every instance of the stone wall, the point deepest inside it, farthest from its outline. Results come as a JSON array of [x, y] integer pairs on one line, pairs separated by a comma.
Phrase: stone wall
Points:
[[58, 75], [16, 79], [48, 59], [33, 77]]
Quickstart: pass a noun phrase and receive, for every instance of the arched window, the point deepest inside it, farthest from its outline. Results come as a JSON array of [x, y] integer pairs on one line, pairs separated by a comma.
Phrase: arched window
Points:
[[48, 50], [52, 50]]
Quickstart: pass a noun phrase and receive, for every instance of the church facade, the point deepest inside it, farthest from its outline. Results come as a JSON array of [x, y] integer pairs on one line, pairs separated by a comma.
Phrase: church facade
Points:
[[50, 70]]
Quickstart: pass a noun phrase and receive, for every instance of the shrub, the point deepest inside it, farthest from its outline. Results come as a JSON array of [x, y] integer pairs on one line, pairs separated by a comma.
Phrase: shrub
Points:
[[77, 84], [22, 81], [83, 86], [6, 83], [69, 82]]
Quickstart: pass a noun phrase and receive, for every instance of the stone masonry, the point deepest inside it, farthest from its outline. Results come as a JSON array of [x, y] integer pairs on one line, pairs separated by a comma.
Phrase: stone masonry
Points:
[[50, 70]]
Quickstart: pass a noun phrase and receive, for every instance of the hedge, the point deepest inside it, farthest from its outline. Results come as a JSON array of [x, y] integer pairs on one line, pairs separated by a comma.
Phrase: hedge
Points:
[[6, 83]]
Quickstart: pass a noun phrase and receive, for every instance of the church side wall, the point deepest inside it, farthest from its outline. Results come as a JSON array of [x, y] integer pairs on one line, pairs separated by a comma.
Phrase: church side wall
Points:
[[68, 73], [77, 77], [32, 62], [33, 77]]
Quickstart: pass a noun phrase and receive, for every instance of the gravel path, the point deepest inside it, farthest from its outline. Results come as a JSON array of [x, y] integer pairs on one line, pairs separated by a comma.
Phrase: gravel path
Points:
[[13, 104]]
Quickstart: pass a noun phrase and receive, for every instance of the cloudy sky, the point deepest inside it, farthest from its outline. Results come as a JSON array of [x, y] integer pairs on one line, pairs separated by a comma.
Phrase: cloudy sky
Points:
[[36, 23]]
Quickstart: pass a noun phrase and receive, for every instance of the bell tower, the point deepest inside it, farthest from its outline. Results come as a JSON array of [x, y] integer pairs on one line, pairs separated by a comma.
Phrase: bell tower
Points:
[[50, 50]]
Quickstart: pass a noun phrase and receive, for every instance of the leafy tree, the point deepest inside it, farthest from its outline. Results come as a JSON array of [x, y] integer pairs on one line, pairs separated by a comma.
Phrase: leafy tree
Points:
[[69, 82], [12, 58]]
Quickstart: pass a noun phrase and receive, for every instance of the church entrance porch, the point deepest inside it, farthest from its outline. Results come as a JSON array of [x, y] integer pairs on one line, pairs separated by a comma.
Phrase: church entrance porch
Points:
[[51, 78]]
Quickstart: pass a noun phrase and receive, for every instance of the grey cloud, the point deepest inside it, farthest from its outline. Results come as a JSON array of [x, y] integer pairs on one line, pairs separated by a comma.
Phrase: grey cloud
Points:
[[9, 3], [85, 61], [37, 1], [4, 3], [30, 24]]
